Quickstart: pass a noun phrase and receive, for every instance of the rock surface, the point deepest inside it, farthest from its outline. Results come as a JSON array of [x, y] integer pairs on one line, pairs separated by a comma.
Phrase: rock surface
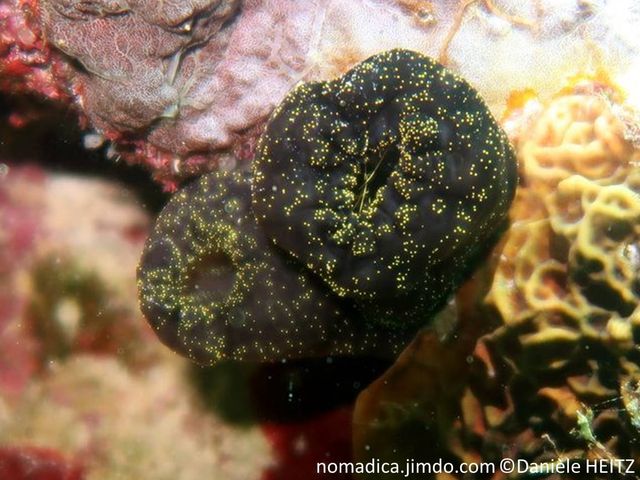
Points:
[[181, 87]]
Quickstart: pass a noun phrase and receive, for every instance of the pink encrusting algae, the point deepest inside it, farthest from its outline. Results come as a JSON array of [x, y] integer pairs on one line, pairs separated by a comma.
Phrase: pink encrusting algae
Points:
[[20, 224], [187, 88]]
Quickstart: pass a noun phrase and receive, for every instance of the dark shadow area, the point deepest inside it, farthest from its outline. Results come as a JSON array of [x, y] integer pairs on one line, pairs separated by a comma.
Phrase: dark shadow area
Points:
[[291, 391], [51, 137]]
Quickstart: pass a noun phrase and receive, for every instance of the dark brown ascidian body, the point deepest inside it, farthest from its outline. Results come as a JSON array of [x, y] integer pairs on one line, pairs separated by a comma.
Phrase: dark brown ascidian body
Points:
[[215, 288], [372, 197], [387, 182]]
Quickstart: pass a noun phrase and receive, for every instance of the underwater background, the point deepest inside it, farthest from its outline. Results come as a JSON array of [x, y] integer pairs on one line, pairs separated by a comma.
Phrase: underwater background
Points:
[[197, 274]]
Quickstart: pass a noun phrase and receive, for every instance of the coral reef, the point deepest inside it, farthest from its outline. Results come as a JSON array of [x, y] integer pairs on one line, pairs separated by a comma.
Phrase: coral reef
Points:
[[179, 88], [121, 424], [144, 76], [556, 376], [81, 374], [202, 281], [71, 310], [78, 293], [576, 134], [65, 290], [537, 357], [27, 64], [20, 227], [568, 343]]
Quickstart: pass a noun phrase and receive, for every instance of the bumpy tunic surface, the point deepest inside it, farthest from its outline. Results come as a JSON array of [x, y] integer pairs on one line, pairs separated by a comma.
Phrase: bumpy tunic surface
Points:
[[387, 182], [215, 288]]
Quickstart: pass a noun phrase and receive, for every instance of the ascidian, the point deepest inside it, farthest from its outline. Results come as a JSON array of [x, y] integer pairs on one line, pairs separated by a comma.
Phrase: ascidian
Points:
[[389, 183], [372, 197], [214, 288]]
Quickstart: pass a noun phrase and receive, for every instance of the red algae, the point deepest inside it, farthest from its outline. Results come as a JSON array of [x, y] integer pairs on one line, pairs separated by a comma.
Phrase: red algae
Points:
[[300, 446], [27, 64], [20, 224], [31, 463]]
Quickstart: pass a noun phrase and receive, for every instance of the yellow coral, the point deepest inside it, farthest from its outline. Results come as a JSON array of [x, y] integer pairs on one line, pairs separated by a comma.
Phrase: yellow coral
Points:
[[571, 259], [576, 134]]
